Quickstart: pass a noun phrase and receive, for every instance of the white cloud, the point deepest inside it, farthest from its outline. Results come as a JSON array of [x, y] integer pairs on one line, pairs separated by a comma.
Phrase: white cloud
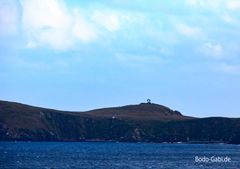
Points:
[[213, 50], [39, 14], [57, 39], [46, 23], [233, 4], [8, 17], [111, 20], [189, 31], [82, 30], [50, 23], [107, 19]]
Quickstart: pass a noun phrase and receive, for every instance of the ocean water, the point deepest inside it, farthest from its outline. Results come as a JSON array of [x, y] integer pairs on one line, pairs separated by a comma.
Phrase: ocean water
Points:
[[105, 155]]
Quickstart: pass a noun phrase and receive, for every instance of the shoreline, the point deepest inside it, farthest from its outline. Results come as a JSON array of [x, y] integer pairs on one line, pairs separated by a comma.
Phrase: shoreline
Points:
[[111, 141]]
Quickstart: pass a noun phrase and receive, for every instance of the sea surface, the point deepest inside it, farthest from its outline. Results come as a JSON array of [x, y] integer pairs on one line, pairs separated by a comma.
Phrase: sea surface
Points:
[[108, 155]]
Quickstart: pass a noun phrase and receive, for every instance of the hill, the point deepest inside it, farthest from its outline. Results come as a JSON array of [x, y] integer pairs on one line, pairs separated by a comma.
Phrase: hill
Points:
[[144, 122], [143, 111]]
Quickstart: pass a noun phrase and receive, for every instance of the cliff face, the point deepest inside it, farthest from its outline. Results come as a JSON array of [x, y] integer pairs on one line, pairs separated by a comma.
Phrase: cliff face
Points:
[[134, 123]]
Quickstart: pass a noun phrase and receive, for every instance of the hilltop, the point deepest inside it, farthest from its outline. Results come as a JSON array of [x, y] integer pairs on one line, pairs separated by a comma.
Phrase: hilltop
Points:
[[142, 111]]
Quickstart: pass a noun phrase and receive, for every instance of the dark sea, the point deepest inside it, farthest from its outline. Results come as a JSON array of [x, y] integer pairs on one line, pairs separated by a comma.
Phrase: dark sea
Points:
[[107, 155]]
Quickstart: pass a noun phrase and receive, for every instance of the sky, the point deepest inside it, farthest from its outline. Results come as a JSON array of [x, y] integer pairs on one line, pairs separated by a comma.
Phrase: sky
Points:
[[81, 55]]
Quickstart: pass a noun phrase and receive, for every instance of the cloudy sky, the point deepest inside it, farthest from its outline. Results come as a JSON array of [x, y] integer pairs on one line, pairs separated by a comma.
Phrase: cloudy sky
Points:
[[80, 55]]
